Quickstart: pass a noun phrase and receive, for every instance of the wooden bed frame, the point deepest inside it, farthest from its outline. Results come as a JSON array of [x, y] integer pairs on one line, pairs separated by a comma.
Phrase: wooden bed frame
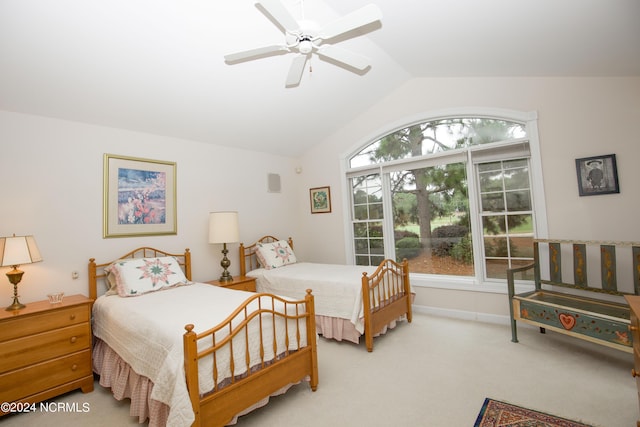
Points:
[[218, 407], [386, 294]]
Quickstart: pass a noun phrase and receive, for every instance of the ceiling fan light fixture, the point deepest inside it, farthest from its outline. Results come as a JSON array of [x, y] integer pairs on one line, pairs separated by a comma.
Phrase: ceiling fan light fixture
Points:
[[305, 47]]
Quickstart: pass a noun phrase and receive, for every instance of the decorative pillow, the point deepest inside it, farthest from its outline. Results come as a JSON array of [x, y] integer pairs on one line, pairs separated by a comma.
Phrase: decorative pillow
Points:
[[275, 254], [139, 276]]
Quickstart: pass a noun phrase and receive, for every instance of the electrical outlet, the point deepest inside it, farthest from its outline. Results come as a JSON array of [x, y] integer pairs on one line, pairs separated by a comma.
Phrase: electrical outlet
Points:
[[75, 275]]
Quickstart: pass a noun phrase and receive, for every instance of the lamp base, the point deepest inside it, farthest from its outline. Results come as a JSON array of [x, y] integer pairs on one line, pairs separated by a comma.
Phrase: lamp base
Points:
[[14, 277], [225, 278], [225, 263], [15, 306]]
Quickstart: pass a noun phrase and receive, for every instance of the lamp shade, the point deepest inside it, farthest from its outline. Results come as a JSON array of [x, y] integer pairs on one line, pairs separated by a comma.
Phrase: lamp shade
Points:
[[223, 227], [18, 250]]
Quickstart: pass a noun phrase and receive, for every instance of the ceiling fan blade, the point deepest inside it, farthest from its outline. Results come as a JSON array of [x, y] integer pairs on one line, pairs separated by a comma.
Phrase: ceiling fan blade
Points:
[[295, 72], [280, 14], [356, 19], [354, 60], [254, 53]]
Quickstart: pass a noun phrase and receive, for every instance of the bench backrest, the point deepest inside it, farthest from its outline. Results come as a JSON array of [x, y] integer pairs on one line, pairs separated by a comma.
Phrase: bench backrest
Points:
[[598, 266]]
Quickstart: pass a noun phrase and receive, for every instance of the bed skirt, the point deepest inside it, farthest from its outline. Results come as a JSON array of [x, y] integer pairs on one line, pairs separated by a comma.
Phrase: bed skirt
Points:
[[342, 329], [124, 382]]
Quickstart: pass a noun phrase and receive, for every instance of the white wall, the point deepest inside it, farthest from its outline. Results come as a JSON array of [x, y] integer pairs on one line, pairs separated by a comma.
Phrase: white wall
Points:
[[578, 117], [53, 180], [52, 170]]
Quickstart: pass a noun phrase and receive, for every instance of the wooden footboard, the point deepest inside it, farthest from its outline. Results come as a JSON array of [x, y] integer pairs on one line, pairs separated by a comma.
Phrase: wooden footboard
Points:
[[262, 377], [296, 362], [386, 296]]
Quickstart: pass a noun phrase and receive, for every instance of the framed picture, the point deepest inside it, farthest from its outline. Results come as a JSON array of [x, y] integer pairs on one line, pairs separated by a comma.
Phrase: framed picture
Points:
[[320, 200], [597, 175], [139, 197]]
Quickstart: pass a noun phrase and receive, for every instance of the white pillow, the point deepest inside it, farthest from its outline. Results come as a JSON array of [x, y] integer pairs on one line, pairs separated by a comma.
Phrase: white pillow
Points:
[[139, 276], [275, 254]]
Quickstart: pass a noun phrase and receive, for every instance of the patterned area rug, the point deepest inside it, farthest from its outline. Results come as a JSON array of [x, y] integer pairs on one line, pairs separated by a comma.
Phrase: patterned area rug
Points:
[[500, 414]]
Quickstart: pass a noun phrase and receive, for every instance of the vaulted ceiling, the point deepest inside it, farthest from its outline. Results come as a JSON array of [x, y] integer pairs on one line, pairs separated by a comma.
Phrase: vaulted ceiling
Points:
[[158, 66]]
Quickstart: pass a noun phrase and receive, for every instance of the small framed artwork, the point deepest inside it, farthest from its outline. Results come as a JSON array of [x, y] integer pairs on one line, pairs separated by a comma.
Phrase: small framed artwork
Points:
[[139, 197], [597, 175], [320, 200]]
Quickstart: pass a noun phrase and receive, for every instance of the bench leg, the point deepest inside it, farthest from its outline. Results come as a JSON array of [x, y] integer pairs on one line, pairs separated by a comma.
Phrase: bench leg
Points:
[[514, 330], [543, 330]]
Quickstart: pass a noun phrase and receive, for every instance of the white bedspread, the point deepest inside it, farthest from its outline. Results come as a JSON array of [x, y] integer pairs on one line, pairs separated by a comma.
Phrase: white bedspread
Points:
[[146, 331], [337, 289]]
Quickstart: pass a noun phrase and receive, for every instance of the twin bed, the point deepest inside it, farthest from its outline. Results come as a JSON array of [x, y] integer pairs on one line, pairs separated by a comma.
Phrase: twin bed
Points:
[[350, 300], [190, 353]]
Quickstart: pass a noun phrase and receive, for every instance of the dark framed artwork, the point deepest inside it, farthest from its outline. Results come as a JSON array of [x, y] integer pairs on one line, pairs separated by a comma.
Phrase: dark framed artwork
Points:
[[139, 197], [597, 175], [320, 200]]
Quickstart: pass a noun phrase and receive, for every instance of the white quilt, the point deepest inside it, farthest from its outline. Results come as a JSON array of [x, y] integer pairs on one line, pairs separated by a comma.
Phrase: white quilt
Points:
[[337, 289], [146, 331]]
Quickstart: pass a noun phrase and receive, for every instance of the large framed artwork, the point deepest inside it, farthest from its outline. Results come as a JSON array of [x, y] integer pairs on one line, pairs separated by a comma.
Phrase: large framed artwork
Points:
[[320, 199], [139, 197], [597, 175]]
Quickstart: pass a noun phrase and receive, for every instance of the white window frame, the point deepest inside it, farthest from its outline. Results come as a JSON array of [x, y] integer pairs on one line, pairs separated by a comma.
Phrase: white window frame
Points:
[[476, 282]]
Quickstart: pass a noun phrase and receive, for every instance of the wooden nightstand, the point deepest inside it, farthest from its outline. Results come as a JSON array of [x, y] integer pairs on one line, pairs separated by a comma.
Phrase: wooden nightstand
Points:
[[240, 283], [45, 350]]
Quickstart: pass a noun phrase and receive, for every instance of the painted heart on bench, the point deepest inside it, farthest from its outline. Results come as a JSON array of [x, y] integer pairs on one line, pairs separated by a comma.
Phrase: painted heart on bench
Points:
[[567, 320]]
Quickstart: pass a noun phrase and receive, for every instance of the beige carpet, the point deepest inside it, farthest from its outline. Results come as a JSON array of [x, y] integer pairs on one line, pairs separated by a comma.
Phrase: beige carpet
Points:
[[435, 372]]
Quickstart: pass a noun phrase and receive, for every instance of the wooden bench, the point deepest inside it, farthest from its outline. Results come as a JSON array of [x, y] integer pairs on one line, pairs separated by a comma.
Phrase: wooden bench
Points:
[[579, 290]]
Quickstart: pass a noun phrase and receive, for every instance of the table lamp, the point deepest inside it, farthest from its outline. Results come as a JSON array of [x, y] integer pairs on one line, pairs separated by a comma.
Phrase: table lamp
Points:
[[15, 251], [223, 228]]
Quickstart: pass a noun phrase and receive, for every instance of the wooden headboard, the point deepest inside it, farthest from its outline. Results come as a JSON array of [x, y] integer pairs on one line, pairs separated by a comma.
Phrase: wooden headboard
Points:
[[248, 257], [97, 274]]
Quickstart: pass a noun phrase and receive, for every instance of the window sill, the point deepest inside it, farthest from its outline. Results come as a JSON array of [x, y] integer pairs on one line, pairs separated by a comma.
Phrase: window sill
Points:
[[470, 284]]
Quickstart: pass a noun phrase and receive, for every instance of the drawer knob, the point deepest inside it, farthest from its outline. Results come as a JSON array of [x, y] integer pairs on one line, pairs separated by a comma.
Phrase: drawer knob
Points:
[[74, 367], [72, 317], [73, 340], [633, 328]]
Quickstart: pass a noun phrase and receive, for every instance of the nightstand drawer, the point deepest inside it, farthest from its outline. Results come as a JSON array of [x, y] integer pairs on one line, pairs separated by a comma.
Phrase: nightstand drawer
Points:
[[245, 286], [42, 376], [44, 321], [239, 283], [32, 349]]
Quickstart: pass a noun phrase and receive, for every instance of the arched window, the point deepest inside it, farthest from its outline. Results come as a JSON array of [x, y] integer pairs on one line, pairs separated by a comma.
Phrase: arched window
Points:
[[454, 195]]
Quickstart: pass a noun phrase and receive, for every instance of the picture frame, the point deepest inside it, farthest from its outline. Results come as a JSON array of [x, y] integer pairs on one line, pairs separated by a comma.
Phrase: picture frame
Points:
[[320, 198], [597, 175], [139, 197]]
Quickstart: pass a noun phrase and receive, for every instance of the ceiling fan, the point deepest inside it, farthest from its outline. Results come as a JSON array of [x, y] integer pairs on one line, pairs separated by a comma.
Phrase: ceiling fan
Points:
[[305, 38]]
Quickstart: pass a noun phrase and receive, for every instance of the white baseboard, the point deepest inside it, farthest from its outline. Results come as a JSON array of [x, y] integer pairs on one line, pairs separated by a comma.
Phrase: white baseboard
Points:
[[461, 314]]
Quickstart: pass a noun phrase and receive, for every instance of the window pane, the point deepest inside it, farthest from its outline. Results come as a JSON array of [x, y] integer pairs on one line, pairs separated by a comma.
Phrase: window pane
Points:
[[360, 212], [520, 224], [368, 233], [491, 181], [435, 137], [431, 220], [375, 211], [507, 238], [518, 200], [522, 247], [492, 202], [376, 246], [515, 179]]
